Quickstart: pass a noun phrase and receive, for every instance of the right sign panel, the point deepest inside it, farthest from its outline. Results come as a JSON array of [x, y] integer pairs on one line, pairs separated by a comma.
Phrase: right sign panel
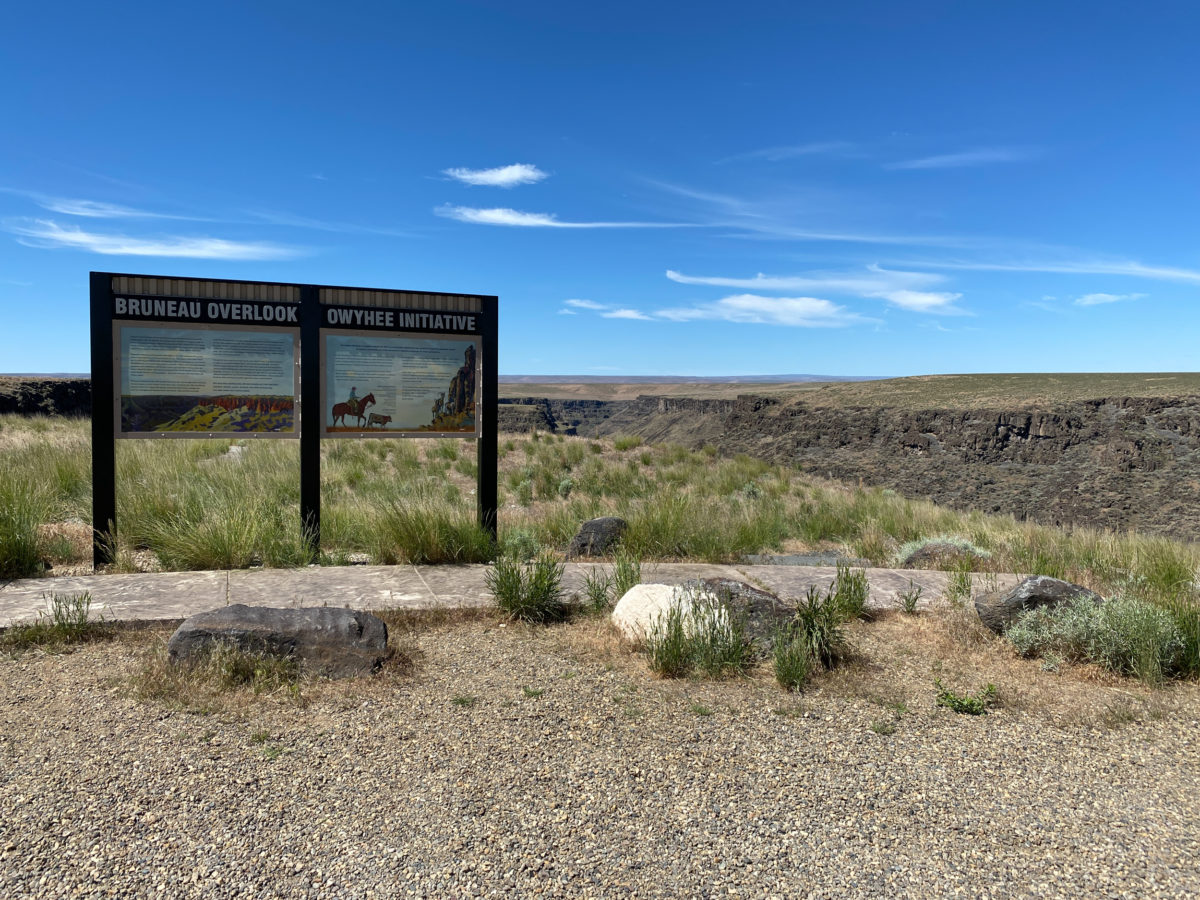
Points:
[[399, 385]]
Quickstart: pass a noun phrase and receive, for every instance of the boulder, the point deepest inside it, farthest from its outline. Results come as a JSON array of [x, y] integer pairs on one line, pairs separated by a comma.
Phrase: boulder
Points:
[[938, 553], [643, 605], [338, 643], [596, 536], [998, 609]]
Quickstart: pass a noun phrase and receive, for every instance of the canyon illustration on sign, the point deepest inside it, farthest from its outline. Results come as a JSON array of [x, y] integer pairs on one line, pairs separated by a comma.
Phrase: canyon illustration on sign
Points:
[[399, 385], [205, 380]]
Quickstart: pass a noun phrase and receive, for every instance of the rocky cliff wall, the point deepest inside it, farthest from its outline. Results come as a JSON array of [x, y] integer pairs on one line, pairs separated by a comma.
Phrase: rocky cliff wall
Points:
[[1115, 462], [46, 396]]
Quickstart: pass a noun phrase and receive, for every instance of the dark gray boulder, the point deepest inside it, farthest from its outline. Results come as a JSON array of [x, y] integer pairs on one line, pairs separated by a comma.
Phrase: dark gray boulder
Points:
[[596, 537], [338, 643], [998, 609]]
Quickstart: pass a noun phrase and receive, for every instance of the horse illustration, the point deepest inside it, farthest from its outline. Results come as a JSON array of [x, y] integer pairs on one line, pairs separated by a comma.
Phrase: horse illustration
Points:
[[341, 410]]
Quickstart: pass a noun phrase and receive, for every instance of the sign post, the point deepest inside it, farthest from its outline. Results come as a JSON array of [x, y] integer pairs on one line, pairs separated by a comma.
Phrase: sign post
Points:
[[180, 358]]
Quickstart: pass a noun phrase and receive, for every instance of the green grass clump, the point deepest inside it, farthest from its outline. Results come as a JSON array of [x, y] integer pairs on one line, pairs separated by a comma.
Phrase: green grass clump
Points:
[[1125, 635], [791, 656], [910, 598], [818, 626], [528, 592], [428, 532], [968, 704], [627, 442], [598, 588], [627, 572], [850, 592], [700, 631], [22, 508], [68, 622]]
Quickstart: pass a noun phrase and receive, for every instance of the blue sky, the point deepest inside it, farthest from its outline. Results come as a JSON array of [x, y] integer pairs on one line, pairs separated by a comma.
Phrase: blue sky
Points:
[[849, 188]]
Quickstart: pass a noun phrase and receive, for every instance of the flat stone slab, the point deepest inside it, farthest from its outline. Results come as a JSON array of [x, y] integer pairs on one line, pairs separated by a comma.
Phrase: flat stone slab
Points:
[[359, 587], [177, 595], [137, 596], [884, 585]]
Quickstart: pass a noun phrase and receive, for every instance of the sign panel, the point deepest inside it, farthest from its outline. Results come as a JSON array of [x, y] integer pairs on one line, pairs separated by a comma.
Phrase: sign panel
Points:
[[399, 385], [188, 381]]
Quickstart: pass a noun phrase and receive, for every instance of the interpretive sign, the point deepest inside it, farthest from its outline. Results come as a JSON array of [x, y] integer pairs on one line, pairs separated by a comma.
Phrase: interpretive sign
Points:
[[210, 358], [212, 380], [399, 386]]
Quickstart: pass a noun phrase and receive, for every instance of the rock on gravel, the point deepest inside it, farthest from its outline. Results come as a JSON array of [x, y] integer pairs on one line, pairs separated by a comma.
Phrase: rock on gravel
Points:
[[998, 609], [339, 643], [520, 762]]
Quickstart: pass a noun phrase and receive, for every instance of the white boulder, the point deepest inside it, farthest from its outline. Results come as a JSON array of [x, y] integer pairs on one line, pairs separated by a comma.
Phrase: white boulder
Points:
[[644, 605]]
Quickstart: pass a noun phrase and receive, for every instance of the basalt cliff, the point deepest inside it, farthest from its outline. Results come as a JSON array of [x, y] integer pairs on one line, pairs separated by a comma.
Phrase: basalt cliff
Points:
[[1115, 463]]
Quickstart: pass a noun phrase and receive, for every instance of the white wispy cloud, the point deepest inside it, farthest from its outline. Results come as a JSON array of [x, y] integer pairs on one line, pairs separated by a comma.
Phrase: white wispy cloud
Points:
[[585, 304], [792, 151], [755, 309], [1131, 268], [93, 209], [1098, 299], [906, 290], [979, 157], [501, 176], [46, 234], [516, 218], [567, 312], [626, 314], [922, 301]]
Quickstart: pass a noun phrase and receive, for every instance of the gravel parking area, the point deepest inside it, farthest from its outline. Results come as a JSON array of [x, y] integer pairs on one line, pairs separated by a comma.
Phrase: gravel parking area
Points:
[[520, 762]]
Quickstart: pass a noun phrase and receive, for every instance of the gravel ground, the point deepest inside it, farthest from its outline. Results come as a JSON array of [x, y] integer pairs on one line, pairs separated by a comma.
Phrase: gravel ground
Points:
[[519, 762]]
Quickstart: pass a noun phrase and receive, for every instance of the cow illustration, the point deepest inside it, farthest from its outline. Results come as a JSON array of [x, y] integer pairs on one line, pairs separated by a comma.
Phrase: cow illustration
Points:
[[376, 419]]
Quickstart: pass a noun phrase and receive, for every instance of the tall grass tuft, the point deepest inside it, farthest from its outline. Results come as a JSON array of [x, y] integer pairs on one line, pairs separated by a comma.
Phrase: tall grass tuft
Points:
[[791, 656], [427, 532], [818, 627], [23, 506], [68, 622], [528, 592], [627, 572]]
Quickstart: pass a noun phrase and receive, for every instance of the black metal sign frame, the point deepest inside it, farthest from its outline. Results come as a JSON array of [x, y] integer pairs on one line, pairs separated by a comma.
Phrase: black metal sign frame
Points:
[[110, 310]]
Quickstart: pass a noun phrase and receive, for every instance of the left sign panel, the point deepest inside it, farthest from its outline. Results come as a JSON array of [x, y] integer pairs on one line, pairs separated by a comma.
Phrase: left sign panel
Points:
[[188, 381]]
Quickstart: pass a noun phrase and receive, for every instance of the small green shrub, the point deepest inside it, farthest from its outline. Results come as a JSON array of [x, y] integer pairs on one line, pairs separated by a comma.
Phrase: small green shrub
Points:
[[626, 442], [668, 646], [627, 572], [959, 587], [597, 587], [22, 509], [967, 704], [791, 657], [525, 492], [428, 532], [850, 592], [68, 622], [1125, 635], [700, 632], [528, 593], [910, 598], [818, 626], [520, 544], [565, 486], [718, 636]]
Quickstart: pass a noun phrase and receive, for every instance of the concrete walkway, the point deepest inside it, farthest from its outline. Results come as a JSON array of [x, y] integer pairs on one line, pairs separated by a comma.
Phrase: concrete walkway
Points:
[[172, 596]]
